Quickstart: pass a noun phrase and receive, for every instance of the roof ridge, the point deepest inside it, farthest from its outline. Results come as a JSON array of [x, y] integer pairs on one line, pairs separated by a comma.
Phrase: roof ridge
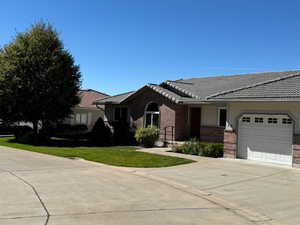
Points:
[[89, 89], [253, 85], [238, 74], [168, 82]]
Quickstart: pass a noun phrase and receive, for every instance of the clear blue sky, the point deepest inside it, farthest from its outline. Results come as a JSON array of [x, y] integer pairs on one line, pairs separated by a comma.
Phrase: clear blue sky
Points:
[[122, 44]]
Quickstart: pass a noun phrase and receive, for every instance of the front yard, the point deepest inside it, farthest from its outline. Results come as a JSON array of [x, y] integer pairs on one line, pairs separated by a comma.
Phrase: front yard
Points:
[[116, 155]]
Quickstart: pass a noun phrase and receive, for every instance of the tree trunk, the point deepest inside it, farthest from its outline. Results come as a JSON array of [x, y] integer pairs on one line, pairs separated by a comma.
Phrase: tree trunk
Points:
[[35, 131]]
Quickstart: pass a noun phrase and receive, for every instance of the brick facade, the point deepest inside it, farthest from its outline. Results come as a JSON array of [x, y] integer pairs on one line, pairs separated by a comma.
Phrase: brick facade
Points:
[[230, 144], [171, 115], [296, 152], [212, 134]]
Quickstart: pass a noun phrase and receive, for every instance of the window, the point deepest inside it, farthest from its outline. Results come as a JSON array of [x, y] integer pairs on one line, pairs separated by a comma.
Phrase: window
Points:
[[272, 120], [222, 117], [152, 115], [259, 120], [79, 118], [286, 121], [83, 119], [246, 119], [121, 114]]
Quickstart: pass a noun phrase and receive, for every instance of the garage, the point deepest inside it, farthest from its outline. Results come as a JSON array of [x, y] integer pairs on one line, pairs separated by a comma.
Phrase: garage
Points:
[[266, 138]]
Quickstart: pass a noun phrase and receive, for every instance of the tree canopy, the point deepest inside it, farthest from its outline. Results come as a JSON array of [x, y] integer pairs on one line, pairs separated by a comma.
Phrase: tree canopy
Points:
[[39, 80]]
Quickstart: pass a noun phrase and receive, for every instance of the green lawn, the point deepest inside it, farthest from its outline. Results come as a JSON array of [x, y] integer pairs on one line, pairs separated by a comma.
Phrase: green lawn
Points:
[[117, 155]]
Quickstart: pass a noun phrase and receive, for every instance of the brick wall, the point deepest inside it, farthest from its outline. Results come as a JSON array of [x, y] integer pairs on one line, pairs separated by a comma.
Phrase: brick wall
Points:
[[212, 134], [170, 114], [296, 148], [230, 144]]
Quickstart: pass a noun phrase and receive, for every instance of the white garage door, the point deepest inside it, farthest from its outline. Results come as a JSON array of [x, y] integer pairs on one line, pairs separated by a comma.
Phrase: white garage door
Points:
[[266, 138]]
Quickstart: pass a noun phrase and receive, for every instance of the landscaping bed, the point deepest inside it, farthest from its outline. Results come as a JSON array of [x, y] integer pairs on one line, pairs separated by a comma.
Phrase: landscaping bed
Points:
[[195, 147]]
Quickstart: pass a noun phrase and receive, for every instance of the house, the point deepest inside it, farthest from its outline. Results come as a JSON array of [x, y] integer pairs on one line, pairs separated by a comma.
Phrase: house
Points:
[[86, 113], [257, 115]]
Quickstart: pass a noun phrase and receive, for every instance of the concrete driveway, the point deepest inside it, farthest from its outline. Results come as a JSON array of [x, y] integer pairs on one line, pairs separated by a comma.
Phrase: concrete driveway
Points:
[[39, 189]]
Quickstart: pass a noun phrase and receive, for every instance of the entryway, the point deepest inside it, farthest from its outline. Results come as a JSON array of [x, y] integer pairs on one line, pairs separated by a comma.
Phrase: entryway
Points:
[[195, 122]]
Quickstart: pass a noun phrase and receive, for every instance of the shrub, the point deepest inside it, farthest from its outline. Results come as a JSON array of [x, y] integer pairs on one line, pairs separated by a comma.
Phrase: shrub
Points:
[[123, 134], [21, 130], [147, 136], [214, 150], [6, 128], [194, 147], [101, 134], [71, 129], [25, 135]]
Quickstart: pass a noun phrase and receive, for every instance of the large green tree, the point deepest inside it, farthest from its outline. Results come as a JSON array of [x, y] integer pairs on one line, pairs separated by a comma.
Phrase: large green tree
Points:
[[39, 80]]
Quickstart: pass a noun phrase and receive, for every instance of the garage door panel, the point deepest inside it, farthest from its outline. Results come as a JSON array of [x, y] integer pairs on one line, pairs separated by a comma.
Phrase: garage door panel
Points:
[[264, 141]]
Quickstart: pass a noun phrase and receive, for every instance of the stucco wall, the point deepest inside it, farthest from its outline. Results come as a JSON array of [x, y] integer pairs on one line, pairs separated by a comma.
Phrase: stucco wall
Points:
[[209, 115], [236, 109], [92, 116]]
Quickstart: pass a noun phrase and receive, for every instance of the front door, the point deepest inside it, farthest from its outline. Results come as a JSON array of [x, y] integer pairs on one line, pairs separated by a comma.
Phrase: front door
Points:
[[195, 121]]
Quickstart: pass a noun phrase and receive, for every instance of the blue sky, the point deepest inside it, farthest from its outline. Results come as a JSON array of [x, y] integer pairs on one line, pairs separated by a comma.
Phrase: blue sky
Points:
[[122, 44]]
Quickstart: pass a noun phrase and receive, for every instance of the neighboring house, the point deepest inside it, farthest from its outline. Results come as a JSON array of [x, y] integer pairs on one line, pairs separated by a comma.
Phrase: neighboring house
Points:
[[86, 112], [257, 116]]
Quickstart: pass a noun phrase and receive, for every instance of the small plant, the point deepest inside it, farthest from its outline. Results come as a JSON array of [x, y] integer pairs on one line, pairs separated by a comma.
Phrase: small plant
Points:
[[194, 147], [147, 136], [214, 150]]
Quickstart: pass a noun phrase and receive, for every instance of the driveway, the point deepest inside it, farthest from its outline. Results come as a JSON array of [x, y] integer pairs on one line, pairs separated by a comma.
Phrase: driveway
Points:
[[39, 189]]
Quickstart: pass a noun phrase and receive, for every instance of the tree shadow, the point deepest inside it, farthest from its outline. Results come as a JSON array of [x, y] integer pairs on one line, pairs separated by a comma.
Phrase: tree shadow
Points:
[[59, 142]]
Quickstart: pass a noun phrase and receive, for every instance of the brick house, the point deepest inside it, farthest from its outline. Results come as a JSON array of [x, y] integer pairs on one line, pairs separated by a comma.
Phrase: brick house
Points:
[[255, 115]]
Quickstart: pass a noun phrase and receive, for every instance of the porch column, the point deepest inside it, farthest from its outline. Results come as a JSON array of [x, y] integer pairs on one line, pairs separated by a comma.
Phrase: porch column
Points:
[[296, 150], [230, 144]]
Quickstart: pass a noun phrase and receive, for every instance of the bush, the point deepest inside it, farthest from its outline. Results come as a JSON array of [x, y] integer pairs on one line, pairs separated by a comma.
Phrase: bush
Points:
[[22, 130], [6, 128], [70, 129], [214, 150], [194, 147], [147, 136], [101, 134], [123, 134]]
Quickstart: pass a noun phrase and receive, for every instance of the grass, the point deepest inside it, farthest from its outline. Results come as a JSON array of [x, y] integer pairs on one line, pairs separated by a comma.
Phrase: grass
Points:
[[117, 155]]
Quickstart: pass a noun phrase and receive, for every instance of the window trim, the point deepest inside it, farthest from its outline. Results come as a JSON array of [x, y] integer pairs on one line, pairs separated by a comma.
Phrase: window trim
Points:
[[219, 113], [151, 113]]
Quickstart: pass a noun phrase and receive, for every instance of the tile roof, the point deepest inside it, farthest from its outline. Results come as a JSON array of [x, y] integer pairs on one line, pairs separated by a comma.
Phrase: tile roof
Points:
[[88, 96], [116, 99], [287, 88], [203, 87], [263, 86]]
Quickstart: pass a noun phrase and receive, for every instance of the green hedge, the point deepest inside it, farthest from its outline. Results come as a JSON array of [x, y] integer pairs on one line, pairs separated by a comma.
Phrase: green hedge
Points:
[[194, 147]]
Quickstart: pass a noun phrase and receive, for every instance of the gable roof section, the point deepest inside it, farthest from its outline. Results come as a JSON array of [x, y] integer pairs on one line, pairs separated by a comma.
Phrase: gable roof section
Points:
[[173, 97], [116, 99], [203, 87], [286, 89], [88, 96]]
